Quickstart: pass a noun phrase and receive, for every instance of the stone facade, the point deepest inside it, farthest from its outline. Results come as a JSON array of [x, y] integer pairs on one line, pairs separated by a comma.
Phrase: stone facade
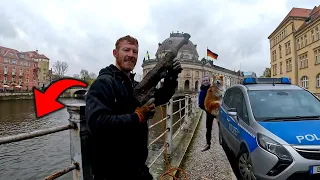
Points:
[[295, 48], [193, 68]]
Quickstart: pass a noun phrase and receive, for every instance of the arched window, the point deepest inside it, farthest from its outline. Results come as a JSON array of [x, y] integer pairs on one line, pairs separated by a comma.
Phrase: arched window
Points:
[[304, 81], [318, 80]]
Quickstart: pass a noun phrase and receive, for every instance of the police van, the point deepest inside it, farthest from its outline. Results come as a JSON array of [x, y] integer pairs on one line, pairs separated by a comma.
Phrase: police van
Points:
[[273, 128]]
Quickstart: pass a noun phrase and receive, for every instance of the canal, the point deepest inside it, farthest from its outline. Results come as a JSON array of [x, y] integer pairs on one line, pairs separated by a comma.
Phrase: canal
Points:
[[37, 158]]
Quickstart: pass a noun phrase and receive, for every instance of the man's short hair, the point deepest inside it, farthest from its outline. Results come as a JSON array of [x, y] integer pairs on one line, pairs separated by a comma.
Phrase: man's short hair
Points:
[[128, 38]]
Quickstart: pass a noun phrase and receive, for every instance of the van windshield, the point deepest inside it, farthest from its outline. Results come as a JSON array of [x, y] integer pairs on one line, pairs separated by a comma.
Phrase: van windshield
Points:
[[281, 104]]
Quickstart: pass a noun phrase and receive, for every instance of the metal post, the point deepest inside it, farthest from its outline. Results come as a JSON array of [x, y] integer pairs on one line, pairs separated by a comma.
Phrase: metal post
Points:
[[196, 102], [169, 126], [180, 111], [186, 110], [193, 105], [79, 142]]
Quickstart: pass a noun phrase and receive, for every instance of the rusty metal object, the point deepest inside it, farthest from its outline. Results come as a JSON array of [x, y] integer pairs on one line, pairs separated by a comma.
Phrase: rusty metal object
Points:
[[146, 88], [63, 172], [38, 133]]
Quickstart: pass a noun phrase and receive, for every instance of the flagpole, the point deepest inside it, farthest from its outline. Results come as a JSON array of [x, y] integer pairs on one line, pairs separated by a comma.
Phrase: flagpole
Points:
[[207, 53]]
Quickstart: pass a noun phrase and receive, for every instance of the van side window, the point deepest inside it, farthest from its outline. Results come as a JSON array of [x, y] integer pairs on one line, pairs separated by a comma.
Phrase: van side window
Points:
[[227, 98], [240, 103]]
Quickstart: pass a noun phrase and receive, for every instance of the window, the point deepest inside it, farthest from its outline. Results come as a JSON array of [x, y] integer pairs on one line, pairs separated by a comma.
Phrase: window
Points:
[[280, 51], [227, 98], [312, 35], [269, 104], [304, 81], [239, 103], [318, 80], [187, 72], [317, 56], [288, 48], [298, 42], [301, 39], [317, 33], [6, 60], [14, 61], [274, 55], [303, 61], [280, 67], [306, 40]]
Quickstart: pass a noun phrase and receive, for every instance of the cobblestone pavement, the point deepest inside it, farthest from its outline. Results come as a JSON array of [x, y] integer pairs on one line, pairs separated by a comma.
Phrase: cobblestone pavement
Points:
[[212, 164]]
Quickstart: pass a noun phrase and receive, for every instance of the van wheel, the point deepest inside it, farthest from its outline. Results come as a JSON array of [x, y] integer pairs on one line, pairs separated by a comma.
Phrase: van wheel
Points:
[[245, 166]]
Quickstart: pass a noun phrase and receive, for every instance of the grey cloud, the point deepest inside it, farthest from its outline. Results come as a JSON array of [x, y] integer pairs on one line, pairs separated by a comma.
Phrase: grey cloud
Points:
[[209, 28], [301, 4], [6, 28], [210, 24]]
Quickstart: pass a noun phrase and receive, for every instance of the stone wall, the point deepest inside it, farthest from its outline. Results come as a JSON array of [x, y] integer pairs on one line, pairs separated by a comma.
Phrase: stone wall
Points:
[[19, 96]]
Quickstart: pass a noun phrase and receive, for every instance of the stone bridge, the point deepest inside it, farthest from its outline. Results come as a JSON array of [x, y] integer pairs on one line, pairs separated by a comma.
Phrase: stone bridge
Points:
[[75, 92]]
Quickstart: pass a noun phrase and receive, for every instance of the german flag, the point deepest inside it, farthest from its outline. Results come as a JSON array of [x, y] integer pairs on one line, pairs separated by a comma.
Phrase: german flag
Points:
[[212, 54]]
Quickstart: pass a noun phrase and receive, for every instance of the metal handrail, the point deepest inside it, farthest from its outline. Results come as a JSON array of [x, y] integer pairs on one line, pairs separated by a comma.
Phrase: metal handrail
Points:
[[167, 130], [74, 125], [155, 140], [158, 122], [38, 133]]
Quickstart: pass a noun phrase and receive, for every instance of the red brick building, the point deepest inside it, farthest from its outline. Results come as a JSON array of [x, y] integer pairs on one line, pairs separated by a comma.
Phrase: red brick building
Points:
[[17, 70]]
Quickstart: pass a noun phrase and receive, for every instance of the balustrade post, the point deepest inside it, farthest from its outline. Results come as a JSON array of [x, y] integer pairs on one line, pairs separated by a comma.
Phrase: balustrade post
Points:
[[79, 139], [169, 126], [186, 110], [196, 103], [193, 105]]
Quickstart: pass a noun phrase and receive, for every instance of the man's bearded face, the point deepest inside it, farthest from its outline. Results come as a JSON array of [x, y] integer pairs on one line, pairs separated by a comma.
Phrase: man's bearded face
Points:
[[126, 56]]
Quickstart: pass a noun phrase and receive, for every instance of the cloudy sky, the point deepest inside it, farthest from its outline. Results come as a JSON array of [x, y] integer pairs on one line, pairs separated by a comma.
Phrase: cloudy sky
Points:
[[83, 32]]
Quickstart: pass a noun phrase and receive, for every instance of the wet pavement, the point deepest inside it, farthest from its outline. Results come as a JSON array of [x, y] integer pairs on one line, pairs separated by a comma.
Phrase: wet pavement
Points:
[[212, 164]]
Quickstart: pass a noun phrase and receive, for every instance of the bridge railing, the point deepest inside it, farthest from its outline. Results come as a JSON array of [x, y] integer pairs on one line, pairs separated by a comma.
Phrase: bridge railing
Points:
[[79, 135]]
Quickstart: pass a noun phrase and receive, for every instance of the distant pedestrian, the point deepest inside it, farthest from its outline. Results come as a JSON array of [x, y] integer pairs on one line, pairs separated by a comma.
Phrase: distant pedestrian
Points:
[[205, 84]]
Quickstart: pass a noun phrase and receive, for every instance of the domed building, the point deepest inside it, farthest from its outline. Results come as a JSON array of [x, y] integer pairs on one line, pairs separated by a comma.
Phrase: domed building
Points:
[[193, 68]]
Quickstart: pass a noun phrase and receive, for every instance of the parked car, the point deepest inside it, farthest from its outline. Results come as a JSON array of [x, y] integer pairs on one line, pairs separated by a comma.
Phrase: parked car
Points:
[[273, 128]]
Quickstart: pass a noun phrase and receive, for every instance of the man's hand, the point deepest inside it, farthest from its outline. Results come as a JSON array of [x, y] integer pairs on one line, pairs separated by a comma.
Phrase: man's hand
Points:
[[176, 69], [176, 65], [146, 111]]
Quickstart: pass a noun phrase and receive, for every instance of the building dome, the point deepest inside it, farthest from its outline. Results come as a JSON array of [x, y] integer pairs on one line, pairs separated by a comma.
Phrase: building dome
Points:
[[187, 51]]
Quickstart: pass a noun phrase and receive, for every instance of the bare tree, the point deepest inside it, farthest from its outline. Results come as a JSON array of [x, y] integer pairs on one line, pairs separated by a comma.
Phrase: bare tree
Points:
[[92, 75], [77, 76], [84, 74], [267, 72], [60, 68]]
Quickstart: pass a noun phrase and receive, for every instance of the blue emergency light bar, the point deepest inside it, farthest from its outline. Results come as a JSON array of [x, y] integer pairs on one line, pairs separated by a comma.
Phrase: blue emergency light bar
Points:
[[251, 80]]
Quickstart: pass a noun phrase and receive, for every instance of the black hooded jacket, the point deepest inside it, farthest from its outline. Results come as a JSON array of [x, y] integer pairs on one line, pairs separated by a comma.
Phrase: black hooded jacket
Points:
[[118, 139]]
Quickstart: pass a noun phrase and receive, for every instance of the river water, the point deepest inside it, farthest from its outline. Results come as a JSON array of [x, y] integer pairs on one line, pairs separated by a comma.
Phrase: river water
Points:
[[37, 158]]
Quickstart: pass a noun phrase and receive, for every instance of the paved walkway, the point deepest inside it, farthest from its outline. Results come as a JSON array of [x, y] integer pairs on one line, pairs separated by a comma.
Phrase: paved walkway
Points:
[[212, 164]]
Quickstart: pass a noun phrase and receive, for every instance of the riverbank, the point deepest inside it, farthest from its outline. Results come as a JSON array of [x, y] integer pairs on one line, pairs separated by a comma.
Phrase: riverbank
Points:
[[21, 96]]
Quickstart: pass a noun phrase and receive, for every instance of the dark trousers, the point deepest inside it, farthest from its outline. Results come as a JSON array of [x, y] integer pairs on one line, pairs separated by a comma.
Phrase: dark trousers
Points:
[[209, 122]]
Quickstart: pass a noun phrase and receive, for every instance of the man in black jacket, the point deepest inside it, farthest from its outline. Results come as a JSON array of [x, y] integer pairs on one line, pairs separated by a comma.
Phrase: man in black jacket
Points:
[[118, 127]]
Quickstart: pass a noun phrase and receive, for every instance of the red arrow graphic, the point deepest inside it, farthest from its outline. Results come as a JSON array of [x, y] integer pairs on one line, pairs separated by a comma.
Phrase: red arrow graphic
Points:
[[46, 102]]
